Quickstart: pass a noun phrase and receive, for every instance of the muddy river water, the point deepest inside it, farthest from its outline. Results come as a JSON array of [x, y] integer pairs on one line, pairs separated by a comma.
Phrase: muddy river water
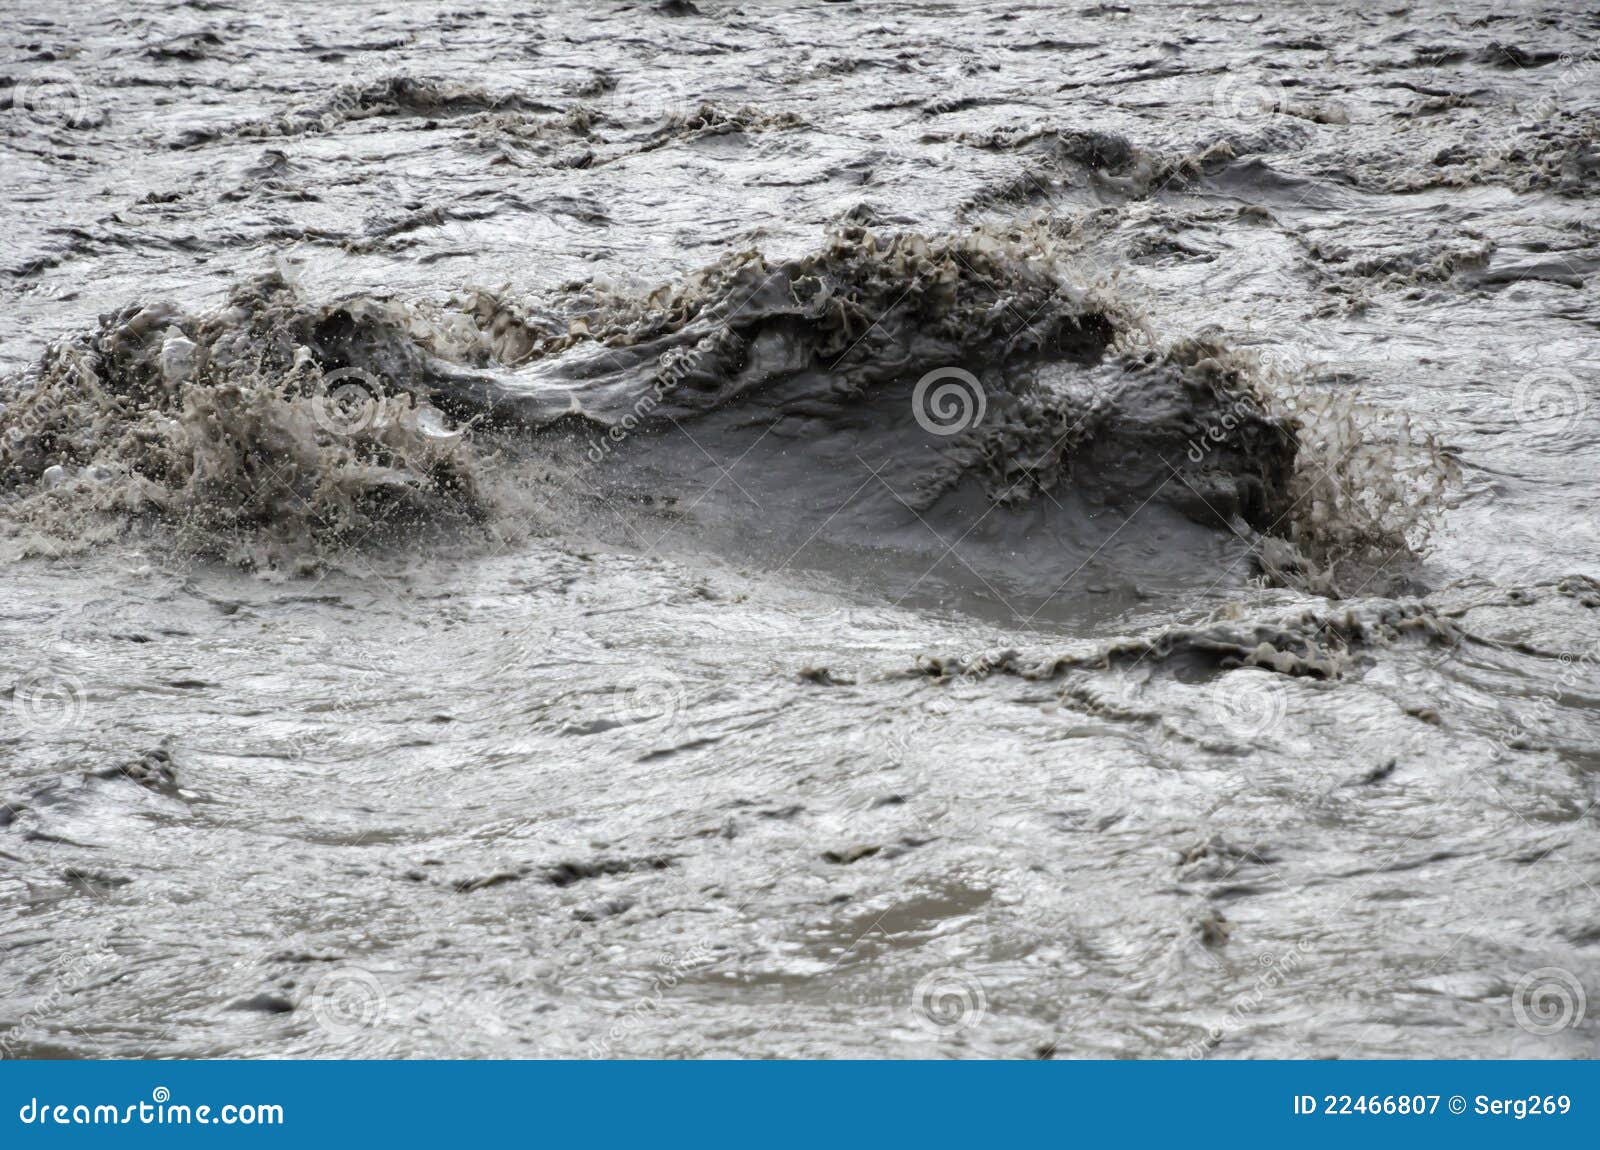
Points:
[[799, 529]]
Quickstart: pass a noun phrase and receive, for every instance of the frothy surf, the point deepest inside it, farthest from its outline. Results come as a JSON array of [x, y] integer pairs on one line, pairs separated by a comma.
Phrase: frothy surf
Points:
[[971, 376]]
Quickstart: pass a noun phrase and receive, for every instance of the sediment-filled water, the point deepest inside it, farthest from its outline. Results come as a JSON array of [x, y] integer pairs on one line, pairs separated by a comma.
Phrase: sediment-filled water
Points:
[[822, 530]]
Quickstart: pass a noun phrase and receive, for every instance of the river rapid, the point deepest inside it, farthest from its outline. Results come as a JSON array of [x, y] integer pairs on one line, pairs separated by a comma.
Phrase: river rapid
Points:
[[799, 530]]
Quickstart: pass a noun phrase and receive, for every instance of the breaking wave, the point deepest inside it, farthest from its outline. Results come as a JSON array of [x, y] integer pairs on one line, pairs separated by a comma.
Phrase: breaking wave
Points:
[[965, 373], [250, 430]]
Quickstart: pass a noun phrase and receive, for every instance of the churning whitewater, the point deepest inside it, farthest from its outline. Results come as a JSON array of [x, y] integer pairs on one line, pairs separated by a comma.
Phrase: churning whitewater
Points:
[[820, 530]]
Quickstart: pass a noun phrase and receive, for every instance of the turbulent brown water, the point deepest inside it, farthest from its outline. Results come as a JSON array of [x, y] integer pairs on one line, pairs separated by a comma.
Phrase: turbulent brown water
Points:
[[800, 529]]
